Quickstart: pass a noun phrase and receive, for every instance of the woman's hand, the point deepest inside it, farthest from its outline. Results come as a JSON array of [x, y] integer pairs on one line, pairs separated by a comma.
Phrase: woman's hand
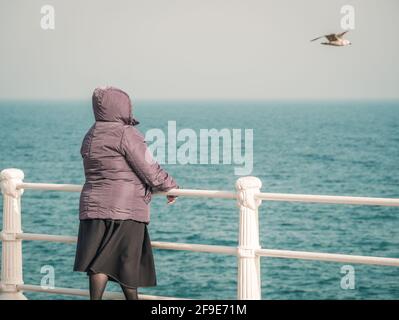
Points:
[[171, 199]]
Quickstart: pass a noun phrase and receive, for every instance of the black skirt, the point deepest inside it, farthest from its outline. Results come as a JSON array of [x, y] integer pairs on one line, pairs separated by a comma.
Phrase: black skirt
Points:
[[119, 248]]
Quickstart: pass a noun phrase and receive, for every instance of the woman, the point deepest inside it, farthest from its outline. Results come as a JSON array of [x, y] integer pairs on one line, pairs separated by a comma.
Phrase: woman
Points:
[[113, 240]]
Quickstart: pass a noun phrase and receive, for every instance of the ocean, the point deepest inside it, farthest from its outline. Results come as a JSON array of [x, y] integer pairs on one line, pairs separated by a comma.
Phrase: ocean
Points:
[[310, 147]]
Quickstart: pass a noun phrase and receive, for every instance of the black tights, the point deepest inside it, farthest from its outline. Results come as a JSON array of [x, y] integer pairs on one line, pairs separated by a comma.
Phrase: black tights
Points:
[[98, 282]]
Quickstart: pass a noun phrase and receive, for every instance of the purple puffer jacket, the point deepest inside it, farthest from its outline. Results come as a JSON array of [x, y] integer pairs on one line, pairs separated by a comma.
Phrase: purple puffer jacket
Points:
[[120, 171]]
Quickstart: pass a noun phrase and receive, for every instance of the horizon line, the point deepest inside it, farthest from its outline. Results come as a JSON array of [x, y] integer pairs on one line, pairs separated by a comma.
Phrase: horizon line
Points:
[[391, 99]]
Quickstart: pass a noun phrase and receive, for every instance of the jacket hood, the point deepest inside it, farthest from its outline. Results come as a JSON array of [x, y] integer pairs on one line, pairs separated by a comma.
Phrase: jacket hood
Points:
[[112, 104]]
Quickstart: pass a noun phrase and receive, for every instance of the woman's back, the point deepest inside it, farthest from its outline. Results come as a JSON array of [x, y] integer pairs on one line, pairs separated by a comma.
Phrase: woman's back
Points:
[[102, 154], [119, 174]]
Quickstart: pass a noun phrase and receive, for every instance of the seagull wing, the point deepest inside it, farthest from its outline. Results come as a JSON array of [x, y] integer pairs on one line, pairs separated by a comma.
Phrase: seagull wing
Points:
[[339, 35], [332, 37], [317, 38]]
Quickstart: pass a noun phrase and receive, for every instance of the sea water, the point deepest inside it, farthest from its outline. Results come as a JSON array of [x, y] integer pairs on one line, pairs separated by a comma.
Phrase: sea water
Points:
[[310, 147]]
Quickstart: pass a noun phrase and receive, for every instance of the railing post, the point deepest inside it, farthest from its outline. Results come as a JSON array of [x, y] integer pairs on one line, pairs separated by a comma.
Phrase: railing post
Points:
[[11, 260], [248, 282]]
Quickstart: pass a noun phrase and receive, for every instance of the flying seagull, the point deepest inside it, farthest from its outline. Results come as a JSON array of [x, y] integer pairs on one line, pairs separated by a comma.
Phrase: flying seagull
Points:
[[335, 39]]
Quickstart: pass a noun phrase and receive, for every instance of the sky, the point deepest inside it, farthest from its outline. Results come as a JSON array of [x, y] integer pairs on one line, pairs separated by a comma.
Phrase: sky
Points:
[[198, 49]]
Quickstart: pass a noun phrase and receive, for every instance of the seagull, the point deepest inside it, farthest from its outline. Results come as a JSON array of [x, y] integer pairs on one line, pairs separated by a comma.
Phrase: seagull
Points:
[[335, 39]]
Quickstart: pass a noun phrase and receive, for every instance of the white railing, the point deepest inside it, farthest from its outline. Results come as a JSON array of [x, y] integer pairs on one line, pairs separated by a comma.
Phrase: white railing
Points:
[[248, 251]]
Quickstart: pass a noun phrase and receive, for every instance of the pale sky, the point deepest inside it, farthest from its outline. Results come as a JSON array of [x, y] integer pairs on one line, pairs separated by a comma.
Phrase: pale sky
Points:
[[198, 49]]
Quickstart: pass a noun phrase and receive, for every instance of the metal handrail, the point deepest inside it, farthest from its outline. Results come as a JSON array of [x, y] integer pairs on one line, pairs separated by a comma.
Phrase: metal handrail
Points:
[[248, 251]]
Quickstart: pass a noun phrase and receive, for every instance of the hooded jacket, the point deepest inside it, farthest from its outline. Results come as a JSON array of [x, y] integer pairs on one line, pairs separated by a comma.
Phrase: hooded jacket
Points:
[[119, 169]]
